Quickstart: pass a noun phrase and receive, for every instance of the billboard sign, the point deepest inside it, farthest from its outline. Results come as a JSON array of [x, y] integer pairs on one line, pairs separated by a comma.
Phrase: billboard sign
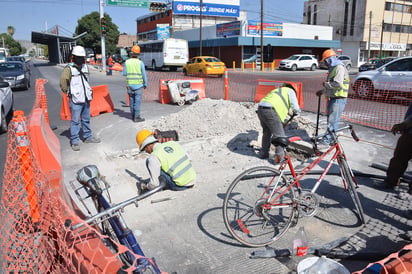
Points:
[[228, 29], [269, 28], [163, 31], [223, 8]]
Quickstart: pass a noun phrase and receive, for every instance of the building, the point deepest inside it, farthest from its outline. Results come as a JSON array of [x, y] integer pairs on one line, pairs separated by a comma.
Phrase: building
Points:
[[365, 28], [223, 31]]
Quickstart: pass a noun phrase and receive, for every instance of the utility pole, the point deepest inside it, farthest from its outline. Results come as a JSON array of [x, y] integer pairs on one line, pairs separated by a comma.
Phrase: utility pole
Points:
[[102, 38], [380, 48], [370, 31], [261, 35], [200, 29]]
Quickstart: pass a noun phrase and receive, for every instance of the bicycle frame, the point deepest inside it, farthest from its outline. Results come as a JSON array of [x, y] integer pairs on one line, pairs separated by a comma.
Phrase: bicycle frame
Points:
[[338, 154], [119, 226]]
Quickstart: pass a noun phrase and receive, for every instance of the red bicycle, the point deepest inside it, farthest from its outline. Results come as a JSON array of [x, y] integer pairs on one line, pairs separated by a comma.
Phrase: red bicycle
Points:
[[262, 202]]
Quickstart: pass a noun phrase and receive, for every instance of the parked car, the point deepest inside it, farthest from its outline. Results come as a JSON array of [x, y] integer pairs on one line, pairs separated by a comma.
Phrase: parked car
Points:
[[17, 74], [207, 65], [375, 63], [346, 60], [299, 61], [6, 104], [394, 77], [16, 58]]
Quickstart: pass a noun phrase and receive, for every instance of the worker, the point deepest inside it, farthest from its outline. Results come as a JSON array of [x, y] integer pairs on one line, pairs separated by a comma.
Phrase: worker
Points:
[[110, 63], [168, 162], [402, 154], [74, 81], [135, 73], [335, 89], [272, 112]]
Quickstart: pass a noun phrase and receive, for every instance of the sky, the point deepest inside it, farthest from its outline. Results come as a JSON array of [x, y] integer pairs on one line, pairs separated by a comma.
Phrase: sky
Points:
[[38, 15]]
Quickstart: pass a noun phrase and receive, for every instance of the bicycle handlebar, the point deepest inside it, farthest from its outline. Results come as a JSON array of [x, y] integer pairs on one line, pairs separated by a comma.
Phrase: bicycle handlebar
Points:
[[350, 127], [103, 215]]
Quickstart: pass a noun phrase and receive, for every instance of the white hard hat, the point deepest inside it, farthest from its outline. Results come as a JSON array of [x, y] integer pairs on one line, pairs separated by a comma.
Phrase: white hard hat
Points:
[[79, 51]]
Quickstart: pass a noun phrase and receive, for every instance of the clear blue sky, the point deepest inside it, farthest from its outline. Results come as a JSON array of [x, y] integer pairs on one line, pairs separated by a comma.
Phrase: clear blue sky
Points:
[[37, 15]]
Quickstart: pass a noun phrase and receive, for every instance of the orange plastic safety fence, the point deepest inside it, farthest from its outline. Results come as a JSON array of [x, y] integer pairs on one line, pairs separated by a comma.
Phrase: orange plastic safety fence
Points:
[[41, 100], [35, 220]]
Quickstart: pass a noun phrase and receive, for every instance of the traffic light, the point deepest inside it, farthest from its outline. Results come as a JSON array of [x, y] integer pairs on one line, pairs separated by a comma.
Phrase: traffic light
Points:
[[103, 26], [157, 6]]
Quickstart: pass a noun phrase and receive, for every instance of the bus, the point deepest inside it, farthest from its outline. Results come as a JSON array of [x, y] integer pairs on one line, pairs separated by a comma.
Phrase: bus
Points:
[[4, 53], [168, 53]]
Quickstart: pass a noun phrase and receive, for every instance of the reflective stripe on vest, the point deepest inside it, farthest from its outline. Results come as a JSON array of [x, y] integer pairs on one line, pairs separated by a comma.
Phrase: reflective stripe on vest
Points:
[[343, 91], [279, 99], [175, 162], [134, 71]]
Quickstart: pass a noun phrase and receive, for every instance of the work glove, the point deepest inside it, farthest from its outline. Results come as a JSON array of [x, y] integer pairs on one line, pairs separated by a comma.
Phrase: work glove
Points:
[[327, 85]]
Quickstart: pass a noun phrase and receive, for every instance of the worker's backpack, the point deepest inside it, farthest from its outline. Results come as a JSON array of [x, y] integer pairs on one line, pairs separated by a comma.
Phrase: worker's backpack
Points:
[[165, 136]]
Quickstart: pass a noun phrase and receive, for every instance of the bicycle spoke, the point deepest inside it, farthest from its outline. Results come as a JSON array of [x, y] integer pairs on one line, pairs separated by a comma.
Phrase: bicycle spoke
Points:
[[248, 216]]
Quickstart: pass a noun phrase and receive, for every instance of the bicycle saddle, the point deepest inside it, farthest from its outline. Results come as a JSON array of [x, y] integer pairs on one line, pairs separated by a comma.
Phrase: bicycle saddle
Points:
[[284, 141]]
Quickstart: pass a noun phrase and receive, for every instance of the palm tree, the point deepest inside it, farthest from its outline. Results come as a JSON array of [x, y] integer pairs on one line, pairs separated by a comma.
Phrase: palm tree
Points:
[[11, 30]]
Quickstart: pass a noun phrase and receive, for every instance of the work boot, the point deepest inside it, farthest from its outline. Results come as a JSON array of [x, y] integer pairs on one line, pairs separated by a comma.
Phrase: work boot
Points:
[[75, 147], [263, 155], [92, 140], [138, 119], [142, 186]]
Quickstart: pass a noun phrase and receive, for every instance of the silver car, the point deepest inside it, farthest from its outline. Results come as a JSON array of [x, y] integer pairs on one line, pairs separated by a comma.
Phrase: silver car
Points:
[[393, 78], [346, 60], [6, 104]]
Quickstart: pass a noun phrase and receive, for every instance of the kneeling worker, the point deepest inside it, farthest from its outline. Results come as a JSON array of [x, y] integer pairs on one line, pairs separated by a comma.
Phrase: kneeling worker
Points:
[[272, 112], [168, 161]]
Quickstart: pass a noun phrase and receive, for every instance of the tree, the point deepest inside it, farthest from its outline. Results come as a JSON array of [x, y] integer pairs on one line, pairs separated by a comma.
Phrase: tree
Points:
[[11, 30], [91, 24], [14, 46]]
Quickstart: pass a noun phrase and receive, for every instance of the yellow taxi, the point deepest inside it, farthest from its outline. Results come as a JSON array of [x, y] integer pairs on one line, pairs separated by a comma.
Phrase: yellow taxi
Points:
[[204, 65]]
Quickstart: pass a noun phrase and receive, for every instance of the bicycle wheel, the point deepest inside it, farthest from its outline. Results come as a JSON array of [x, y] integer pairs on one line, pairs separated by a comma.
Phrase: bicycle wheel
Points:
[[253, 216], [349, 178]]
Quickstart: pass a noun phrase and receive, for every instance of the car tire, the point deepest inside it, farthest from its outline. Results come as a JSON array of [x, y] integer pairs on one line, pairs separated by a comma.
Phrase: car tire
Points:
[[185, 72], [3, 122], [153, 65], [364, 89], [313, 67], [348, 67], [27, 85], [293, 68]]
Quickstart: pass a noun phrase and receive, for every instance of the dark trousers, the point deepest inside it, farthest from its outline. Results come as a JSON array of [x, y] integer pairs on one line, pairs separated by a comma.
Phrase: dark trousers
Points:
[[272, 127], [399, 162]]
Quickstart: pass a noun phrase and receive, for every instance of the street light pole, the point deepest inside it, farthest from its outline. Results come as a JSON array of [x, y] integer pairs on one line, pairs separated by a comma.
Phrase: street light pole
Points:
[[261, 35], [200, 29], [102, 39]]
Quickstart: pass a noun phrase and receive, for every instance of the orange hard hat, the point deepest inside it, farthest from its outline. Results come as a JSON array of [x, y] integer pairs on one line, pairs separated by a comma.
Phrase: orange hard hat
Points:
[[145, 137], [328, 53], [136, 49]]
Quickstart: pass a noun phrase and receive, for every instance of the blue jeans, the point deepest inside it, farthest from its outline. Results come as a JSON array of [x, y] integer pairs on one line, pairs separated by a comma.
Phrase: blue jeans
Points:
[[135, 99], [80, 118], [335, 108], [169, 182]]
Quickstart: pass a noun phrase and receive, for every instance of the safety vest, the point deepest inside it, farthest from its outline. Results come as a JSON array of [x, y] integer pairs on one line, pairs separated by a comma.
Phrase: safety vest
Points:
[[134, 71], [80, 90], [343, 91], [175, 162], [279, 99]]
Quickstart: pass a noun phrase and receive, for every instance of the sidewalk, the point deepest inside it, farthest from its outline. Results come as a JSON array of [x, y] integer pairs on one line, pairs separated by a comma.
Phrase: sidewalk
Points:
[[186, 234]]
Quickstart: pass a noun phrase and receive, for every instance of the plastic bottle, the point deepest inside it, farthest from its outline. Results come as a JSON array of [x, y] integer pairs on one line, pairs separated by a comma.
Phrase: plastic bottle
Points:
[[300, 243]]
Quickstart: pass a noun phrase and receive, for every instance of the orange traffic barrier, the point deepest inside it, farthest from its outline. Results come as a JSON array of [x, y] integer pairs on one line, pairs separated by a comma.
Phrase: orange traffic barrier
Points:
[[117, 67], [196, 84], [43, 100], [46, 146], [101, 103], [20, 126], [265, 86]]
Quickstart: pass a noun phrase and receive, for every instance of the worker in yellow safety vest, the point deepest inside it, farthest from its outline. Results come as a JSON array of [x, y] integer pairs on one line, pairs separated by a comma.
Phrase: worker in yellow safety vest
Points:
[[272, 112], [336, 89], [135, 73], [168, 162]]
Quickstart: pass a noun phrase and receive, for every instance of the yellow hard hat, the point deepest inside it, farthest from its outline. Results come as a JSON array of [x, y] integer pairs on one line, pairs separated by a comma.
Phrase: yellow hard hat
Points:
[[328, 53], [136, 49], [145, 137]]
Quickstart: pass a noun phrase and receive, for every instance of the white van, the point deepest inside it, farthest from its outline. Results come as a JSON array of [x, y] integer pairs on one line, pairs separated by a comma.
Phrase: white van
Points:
[[168, 53]]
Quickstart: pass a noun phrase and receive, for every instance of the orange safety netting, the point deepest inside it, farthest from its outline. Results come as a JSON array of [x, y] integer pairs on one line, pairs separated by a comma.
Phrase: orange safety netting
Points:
[[36, 215]]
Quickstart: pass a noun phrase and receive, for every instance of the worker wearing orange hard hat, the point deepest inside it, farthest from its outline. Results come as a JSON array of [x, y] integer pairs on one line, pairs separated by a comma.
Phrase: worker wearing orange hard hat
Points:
[[335, 89], [168, 162], [136, 78]]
